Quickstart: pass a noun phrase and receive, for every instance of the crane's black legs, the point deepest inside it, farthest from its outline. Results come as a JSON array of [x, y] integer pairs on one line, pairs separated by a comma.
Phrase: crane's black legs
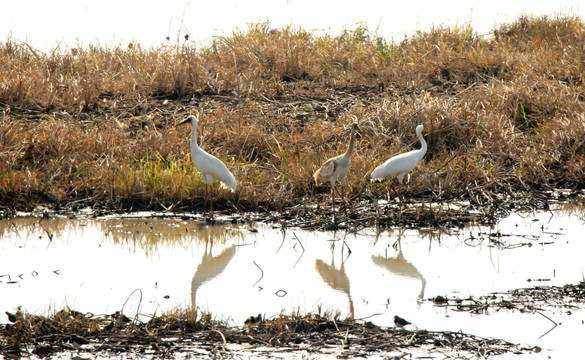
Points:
[[205, 202], [211, 204]]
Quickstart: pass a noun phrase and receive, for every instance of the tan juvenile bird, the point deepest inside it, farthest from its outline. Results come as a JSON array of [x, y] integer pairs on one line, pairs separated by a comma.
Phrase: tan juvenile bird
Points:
[[336, 168]]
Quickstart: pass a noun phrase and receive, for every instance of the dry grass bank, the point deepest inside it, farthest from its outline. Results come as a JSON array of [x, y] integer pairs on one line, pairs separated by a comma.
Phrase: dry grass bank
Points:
[[94, 126]]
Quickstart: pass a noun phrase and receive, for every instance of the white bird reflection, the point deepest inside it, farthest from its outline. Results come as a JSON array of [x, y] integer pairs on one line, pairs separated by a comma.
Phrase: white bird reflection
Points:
[[210, 267], [400, 266], [336, 278]]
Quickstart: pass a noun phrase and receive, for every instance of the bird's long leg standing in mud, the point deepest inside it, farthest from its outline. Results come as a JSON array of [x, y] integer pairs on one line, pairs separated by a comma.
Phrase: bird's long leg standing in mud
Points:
[[397, 192], [210, 195], [341, 194], [205, 200], [333, 204]]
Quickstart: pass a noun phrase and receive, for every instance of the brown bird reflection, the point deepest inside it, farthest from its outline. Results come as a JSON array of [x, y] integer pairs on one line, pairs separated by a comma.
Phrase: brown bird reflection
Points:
[[210, 267], [336, 278], [400, 266]]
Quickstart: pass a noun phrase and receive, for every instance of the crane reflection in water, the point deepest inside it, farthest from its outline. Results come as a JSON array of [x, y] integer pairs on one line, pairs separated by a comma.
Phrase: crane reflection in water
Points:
[[210, 266], [335, 277], [399, 266]]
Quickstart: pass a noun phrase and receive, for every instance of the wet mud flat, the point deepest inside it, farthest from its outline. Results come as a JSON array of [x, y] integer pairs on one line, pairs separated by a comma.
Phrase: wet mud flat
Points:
[[182, 335]]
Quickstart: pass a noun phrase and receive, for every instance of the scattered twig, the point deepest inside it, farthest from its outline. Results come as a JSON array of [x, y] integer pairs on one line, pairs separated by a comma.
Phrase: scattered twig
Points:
[[302, 247], [222, 337], [261, 273], [549, 319], [139, 304]]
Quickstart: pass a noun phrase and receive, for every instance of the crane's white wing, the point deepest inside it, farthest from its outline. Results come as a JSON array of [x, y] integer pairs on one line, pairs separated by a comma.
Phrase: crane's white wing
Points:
[[397, 166], [211, 168]]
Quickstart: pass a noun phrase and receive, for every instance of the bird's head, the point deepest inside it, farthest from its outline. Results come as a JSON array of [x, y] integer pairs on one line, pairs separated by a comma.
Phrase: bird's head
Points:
[[192, 119], [419, 129], [355, 126]]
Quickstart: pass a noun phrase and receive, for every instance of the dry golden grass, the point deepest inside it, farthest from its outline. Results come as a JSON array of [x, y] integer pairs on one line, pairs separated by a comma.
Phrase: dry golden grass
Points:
[[95, 126]]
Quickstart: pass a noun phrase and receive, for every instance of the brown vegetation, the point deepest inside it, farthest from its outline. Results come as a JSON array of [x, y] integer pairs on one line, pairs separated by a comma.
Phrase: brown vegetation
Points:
[[171, 335], [95, 126]]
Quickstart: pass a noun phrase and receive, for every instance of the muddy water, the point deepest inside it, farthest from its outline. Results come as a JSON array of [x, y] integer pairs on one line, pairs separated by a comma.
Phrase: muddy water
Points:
[[145, 265]]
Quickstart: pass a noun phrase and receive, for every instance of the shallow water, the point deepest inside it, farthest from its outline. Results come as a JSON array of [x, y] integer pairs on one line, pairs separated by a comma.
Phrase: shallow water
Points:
[[154, 265]]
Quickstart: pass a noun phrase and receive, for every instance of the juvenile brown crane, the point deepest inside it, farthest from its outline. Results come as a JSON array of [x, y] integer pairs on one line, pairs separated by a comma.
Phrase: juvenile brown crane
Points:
[[335, 169]]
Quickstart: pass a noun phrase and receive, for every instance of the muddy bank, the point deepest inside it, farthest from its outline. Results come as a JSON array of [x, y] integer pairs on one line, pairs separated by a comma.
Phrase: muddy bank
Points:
[[70, 331], [486, 209], [172, 335]]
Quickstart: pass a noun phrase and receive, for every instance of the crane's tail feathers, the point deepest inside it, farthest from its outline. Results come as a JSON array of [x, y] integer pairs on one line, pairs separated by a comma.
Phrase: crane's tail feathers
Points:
[[377, 179], [316, 176], [228, 181], [229, 186], [377, 175]]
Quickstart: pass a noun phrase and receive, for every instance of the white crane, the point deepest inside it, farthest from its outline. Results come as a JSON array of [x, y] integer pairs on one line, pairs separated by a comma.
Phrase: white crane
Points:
[[336, 168], [401, 165], [210, 167]]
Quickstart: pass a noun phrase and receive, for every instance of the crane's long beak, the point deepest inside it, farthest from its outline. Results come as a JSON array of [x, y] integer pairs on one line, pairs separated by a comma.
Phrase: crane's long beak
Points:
[[187, 120]]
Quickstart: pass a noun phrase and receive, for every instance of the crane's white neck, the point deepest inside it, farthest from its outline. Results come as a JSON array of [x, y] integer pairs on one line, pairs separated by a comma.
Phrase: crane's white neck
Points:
[[351, 143], [423, 148], [194, 144]]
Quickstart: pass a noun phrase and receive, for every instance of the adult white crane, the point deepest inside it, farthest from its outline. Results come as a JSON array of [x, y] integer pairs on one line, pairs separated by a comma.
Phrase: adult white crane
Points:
[[401, 165], [336, 168], [210, 167]]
